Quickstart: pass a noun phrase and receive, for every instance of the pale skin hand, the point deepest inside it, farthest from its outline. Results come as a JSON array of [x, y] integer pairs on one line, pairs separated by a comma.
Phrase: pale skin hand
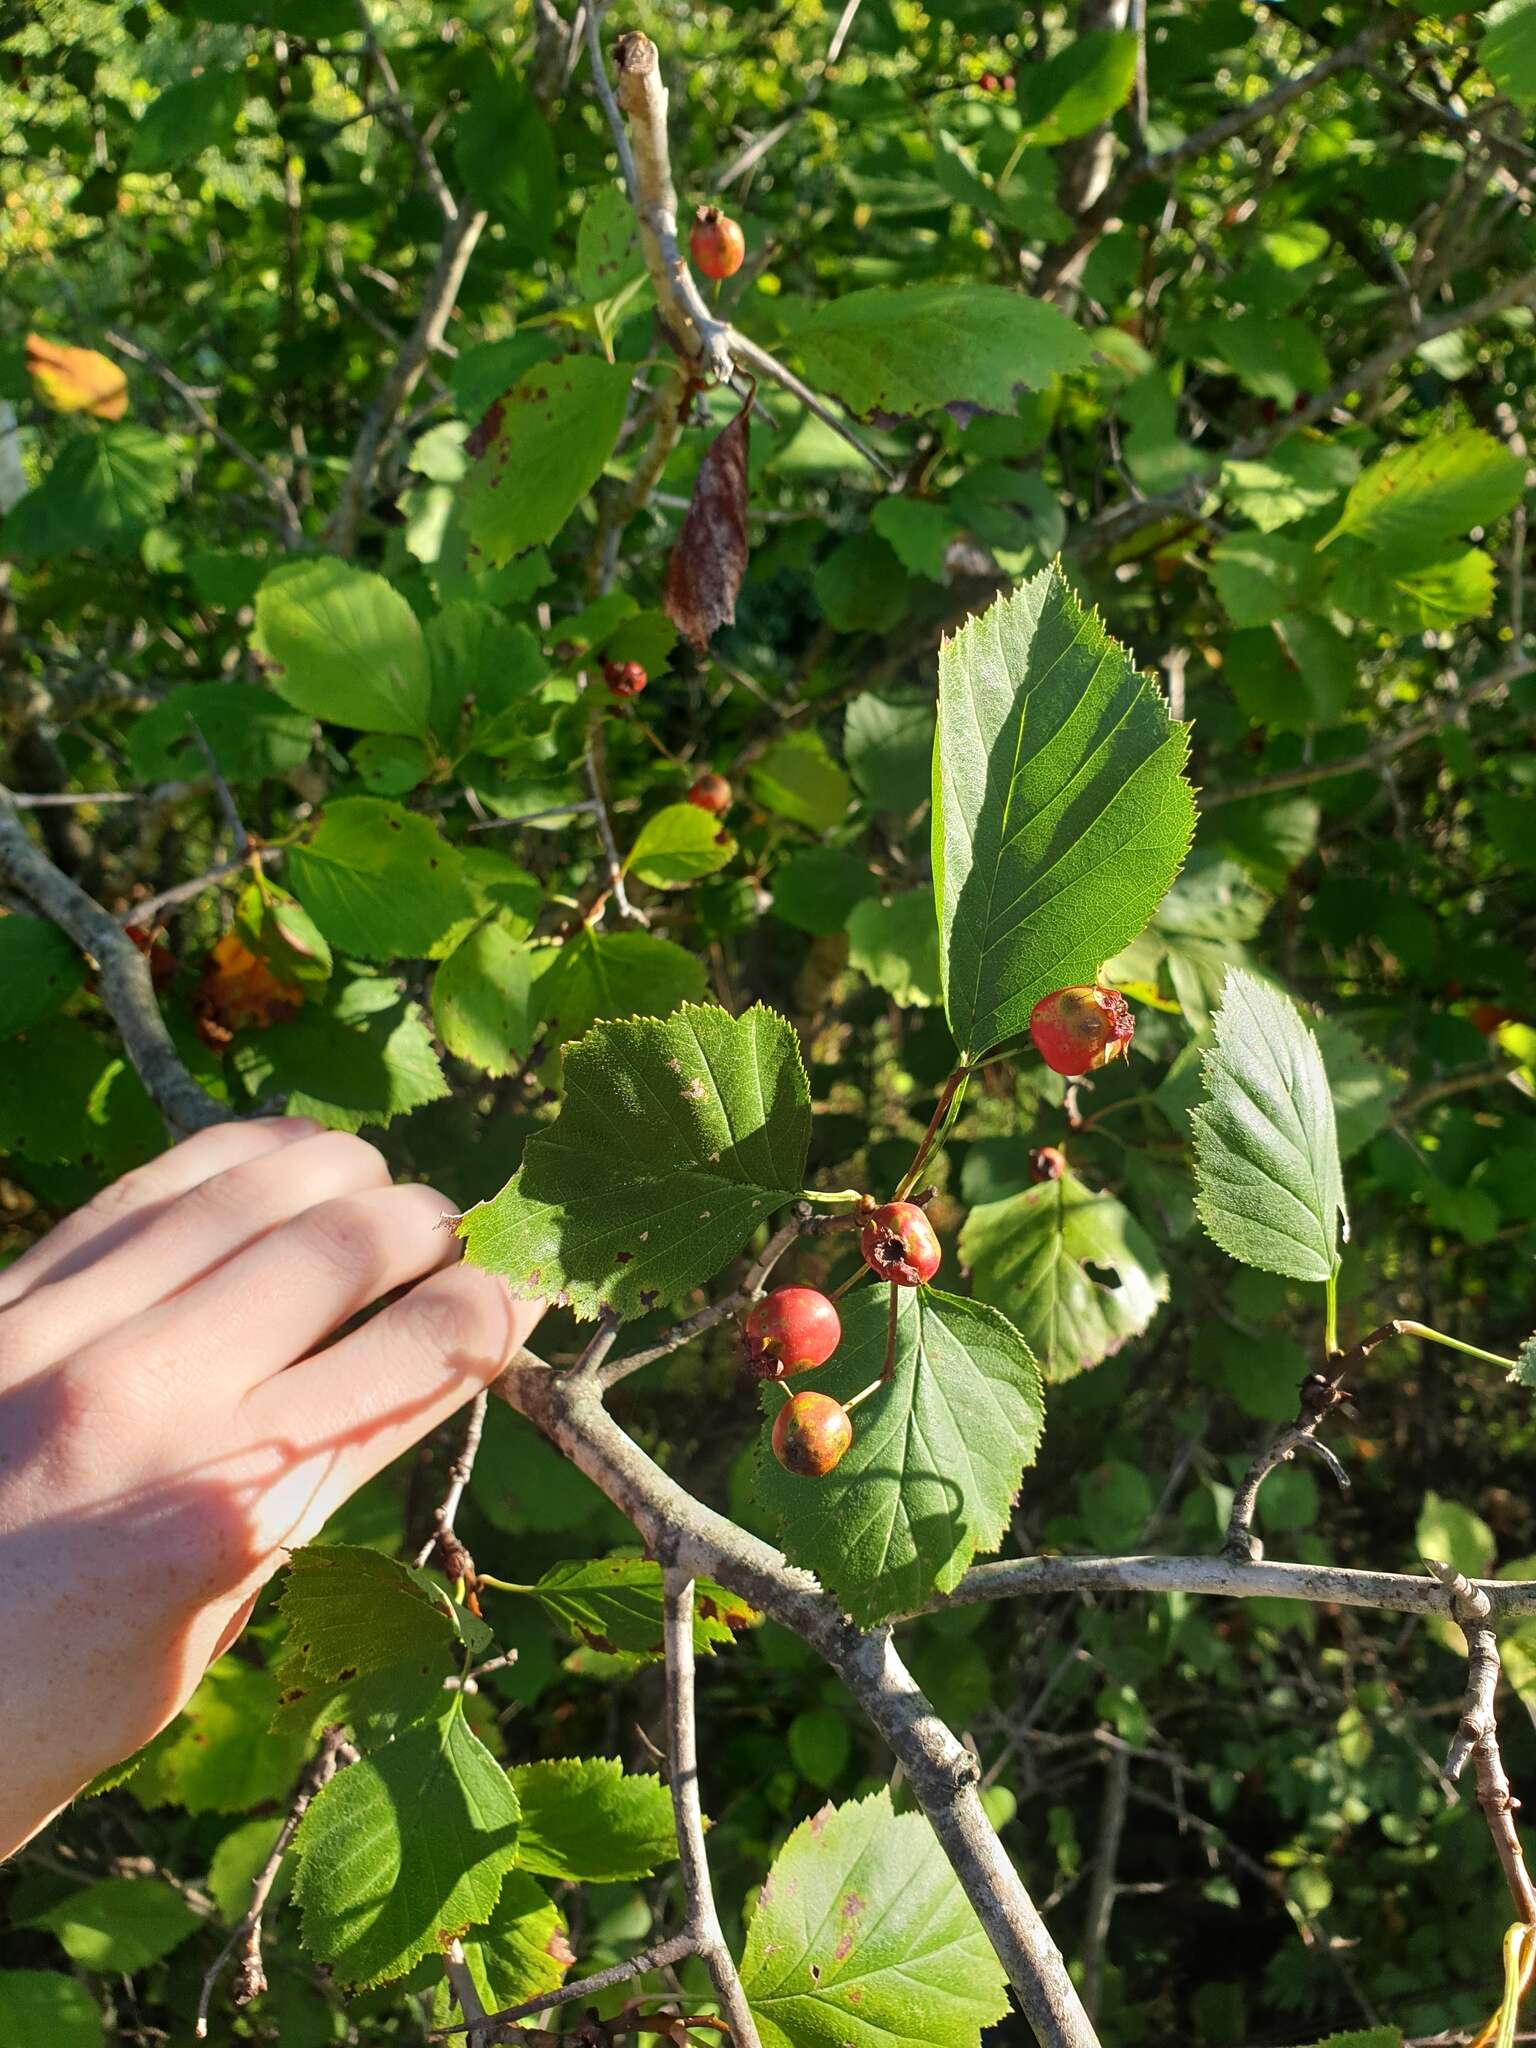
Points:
[[177, 1412]]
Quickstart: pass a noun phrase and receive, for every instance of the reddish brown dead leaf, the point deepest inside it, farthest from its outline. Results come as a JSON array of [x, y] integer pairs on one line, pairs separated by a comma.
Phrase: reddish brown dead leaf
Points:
[[709, 556], [77, 379], [238, 992]]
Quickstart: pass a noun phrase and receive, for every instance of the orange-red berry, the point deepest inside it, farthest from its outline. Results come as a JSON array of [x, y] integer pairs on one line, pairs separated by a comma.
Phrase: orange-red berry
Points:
[[1078, 1029], [625, 678], [811, 1432], [898, 1244], [716, 244], [794, 1329], [711, 793]]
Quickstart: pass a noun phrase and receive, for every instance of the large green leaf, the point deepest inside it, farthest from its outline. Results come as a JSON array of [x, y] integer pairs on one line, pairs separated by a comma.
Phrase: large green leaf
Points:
[[589, 1820], [936, 1458], [863, 1936], [39, 970], [363, 1056], [120, 1925], [405, 1849], [1070, 1266], [1507, 51], [344, 645], [251, 732], [104, 488], [913, 348], [380, 881], [1270, 1190], [1428, 492], [1060, 811], [677, 1137], [539, 450]]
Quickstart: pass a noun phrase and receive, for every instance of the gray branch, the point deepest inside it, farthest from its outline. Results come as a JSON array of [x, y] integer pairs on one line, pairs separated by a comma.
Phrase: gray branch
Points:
[[1477, 1734]]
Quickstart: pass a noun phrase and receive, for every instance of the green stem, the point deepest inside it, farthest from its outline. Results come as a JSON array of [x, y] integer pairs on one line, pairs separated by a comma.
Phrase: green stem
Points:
[[501, 1585], [1429, 1336], [946, 1109], [1331, 1314]]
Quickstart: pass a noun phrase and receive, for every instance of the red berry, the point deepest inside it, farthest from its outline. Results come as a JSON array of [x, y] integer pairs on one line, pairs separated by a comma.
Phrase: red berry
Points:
[[716, 243], [990, 81], [1047, 1162], [1078, 1029], [810, 1434], [794, 1329], [1489, 1016], [711, 793], [899, 1244], [625, 678]]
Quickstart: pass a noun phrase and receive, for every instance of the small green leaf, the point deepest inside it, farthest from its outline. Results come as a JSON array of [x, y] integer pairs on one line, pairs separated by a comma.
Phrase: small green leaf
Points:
[[1413, 598], [679, 844], [816, 888], [894, 942], [1261, 577], [937, 1453], [1430, 491], [820, 1743], [614, 1604], [1061, 814], [588, 1820], [521, 1951], [253, 734], [1071, 1267], [344, 646], [364, 1056], [1507, 51], [1363, 1089], [105, 487], [506, 157], [1266, 1148], [485, 672], [1454, 1535], [482, 999], [120, 1925], [913, 348], [42, 2007], [1292, 481], [918, 533], [405, 1849], [380, 881], [613, 974], [798, 778], [39, 970], [862, 1933], [1079, 87], [180, 123], [888, 745], [539, 450], [677, 1137], [1524, 1374], [218, 1755], [607, 247]]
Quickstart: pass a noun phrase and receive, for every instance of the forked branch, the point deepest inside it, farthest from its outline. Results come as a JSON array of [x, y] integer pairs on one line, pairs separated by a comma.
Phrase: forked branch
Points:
[[1477, 1735]]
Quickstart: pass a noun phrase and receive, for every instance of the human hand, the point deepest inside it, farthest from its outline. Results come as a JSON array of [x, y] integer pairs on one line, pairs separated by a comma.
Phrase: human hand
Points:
[[172, 1418]]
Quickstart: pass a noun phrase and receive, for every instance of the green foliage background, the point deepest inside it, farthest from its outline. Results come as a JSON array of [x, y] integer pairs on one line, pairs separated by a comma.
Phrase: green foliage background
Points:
[[1329, 584]]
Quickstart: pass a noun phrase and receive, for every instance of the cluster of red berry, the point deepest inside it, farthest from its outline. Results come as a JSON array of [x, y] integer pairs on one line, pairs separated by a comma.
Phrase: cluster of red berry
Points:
[[796, 1329]]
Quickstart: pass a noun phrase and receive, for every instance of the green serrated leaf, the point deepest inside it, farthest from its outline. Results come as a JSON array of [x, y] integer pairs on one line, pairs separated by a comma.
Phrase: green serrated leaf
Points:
[[1039, 1256], [588, 1820], [39, 970], [105, 487], [614, 1604], [403, 1850], [1290, 482], [1524, 1374], [483, 1001], [894, 942], [678, 1136], [912, 348], [538, 451], [1266, 1148], [219, 1754], [521, 1951], [120, 1925], [344, 645], [1061, 814], [1426, 493], [613, 974], [677, 845], [797, 778], [380, 881], [862, 1933], [937, 1453], [364, 1056]]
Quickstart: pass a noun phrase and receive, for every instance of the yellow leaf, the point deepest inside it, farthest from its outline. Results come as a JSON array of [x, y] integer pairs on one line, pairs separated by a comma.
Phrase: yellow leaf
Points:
[[77, 379]]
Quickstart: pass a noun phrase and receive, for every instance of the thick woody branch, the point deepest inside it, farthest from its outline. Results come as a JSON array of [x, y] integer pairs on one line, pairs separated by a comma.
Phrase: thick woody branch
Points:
[[688, 1812], [1477, 1735], [460, 234], [124, 985], [686, 1535], [334, 1753], [272, 486]]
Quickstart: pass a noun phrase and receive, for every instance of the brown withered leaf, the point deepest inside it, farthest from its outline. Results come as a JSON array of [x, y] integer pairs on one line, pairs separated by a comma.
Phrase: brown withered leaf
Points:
[[709, 556], [238, 992], [77, 379]]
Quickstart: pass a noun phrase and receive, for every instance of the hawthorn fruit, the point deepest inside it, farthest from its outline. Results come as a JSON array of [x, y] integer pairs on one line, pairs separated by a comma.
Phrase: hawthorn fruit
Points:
[[1078, 1029], [716, 243], [899, 1245], [811, 1433], [711, 793], [794, 1329], [625, 678]]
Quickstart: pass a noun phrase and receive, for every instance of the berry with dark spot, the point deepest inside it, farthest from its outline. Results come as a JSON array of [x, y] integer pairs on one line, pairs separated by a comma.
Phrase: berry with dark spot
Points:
[[711, 793], [898, 1244], [811, 1433], [1047, 1162], [625, 678], [716, 243], [794, 1329], [1079, 1029]]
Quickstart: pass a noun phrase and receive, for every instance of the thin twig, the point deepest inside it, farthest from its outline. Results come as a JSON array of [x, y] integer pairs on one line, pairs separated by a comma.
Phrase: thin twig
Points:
[[274, 486], [756, 151], [755, 357], [592, 763], [688, 1811], [462, 1984], [397, 112], [222, 791], [125, 987], [604, 89], [334, 1753], [571, 810], [148, 908], [1101, 1892], [753, 1286], [1477, 1735], [660, 1956], [457, 1561]]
